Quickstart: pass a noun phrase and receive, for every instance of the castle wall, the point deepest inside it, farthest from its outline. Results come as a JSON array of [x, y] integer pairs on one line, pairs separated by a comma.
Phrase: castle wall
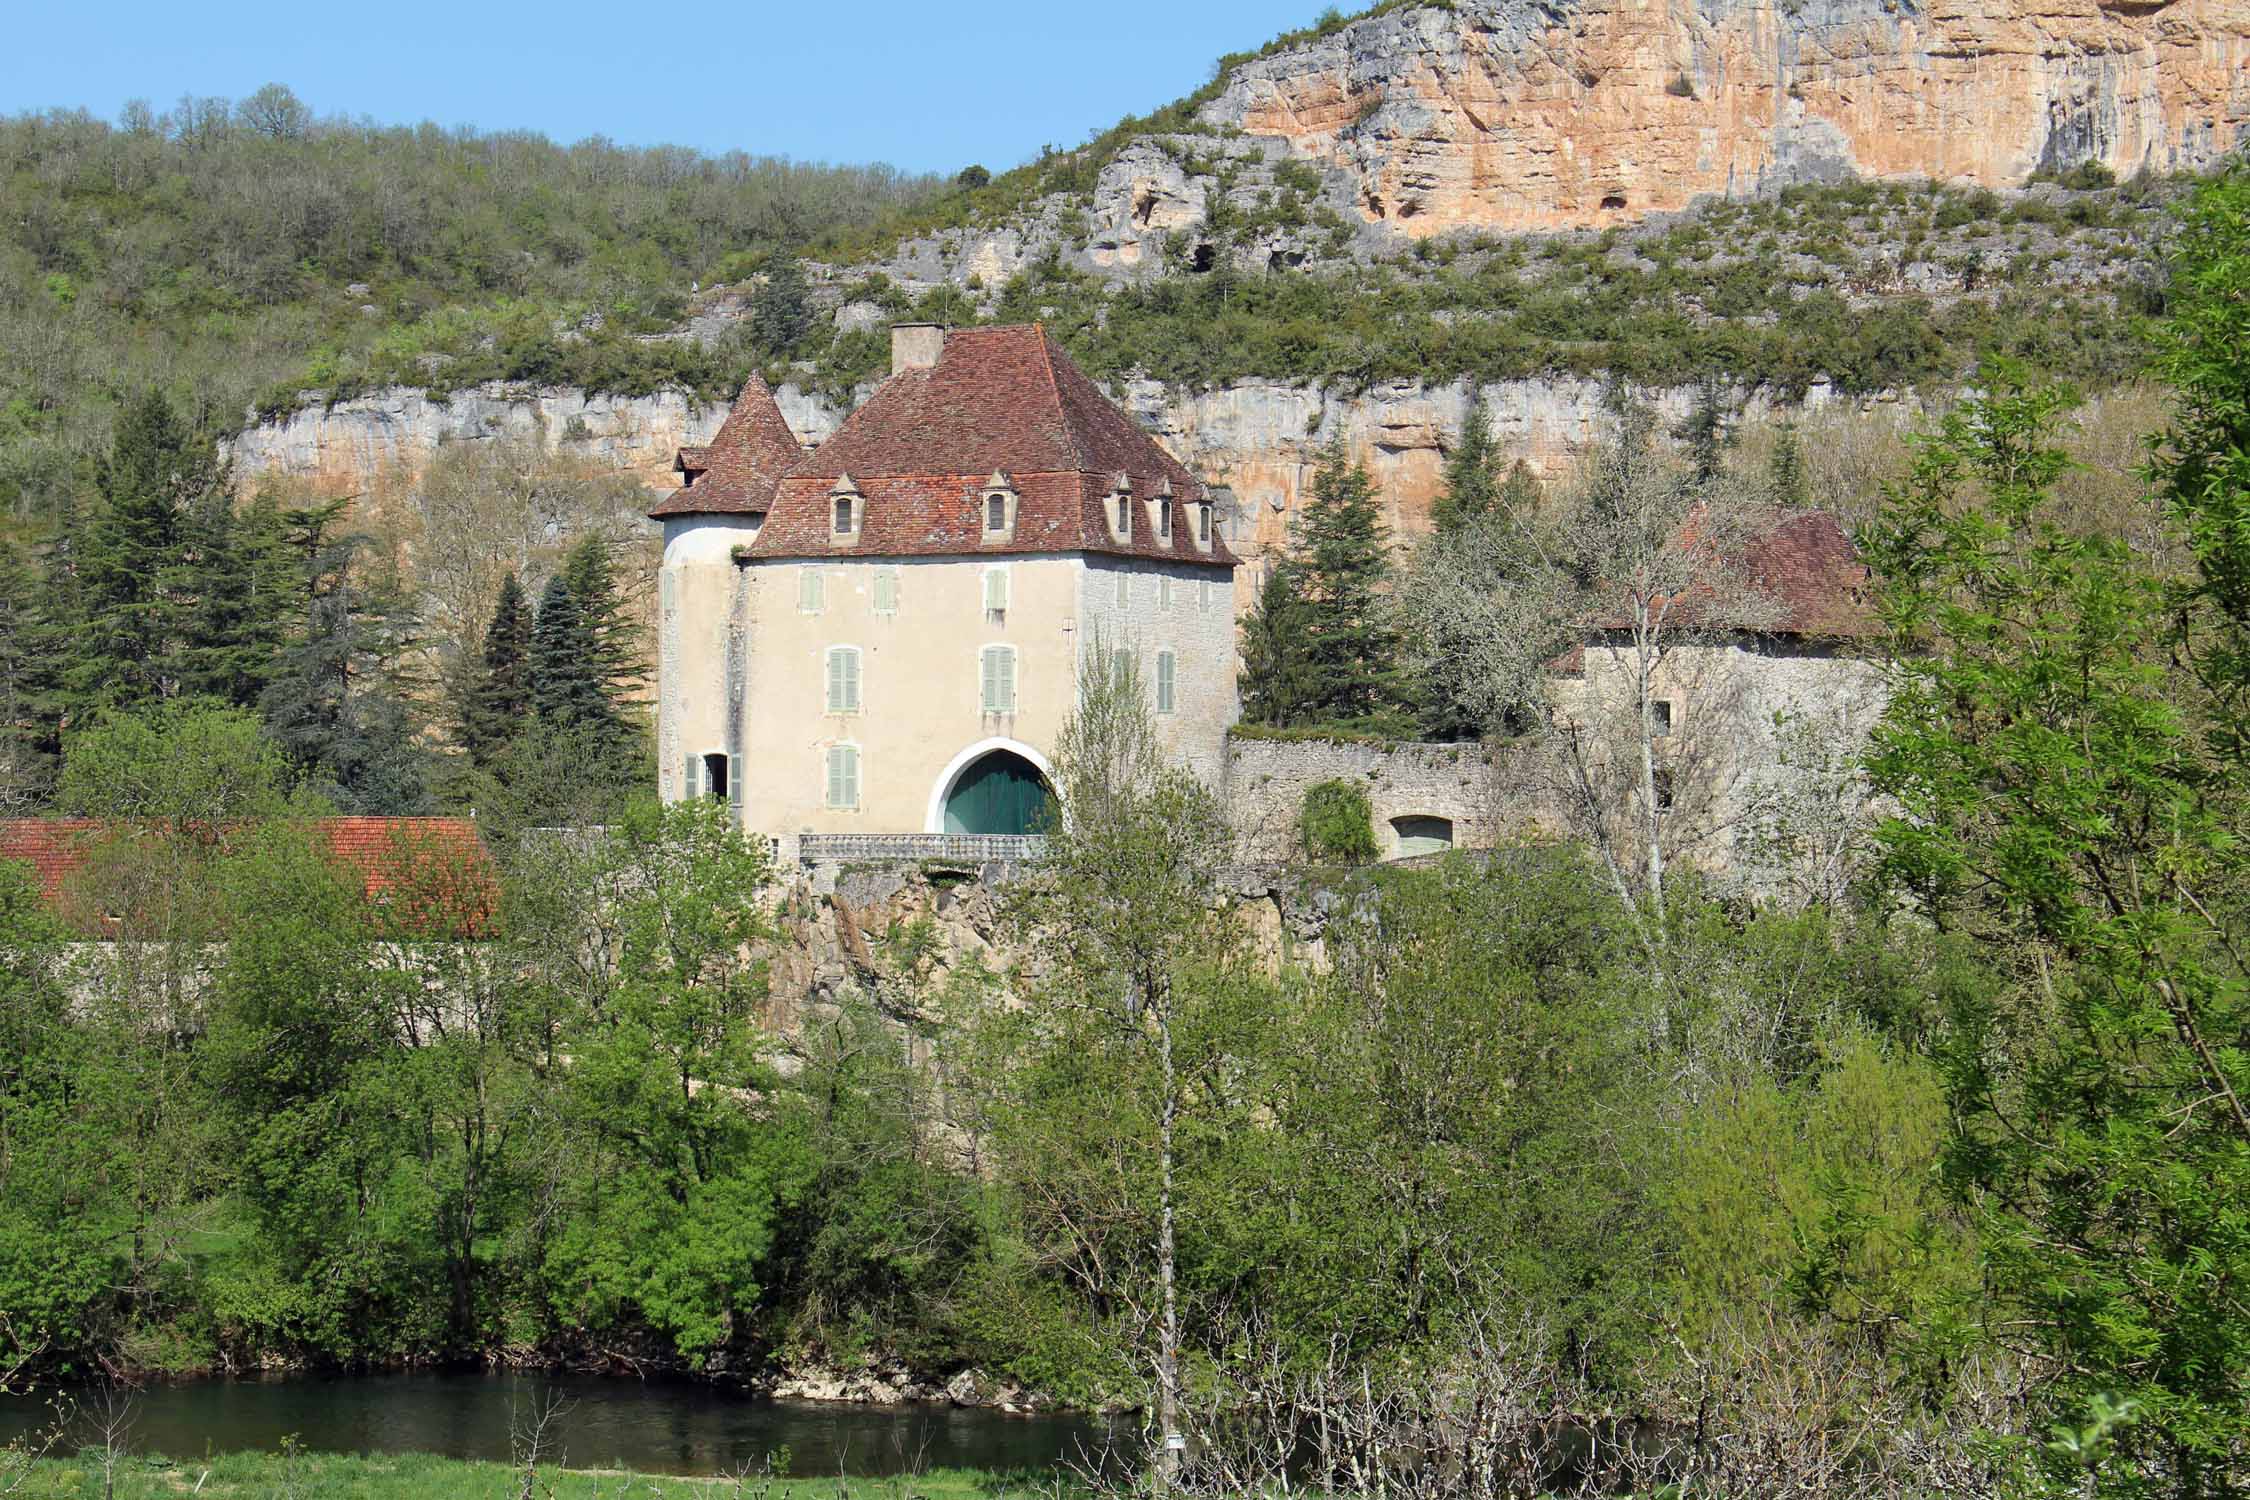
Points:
[[701, 596], [1266, 782], [1194, 621]]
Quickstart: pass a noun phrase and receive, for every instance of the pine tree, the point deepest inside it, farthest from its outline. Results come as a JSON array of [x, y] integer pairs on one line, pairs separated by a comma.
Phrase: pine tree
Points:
[[498, 701], [127, 566], [616, 646], [1351, 651], [1472, 476], [1708, 430], [29, 715], [1785, 474], [240, 598], [781, 309], [566, 689], [333, 705], [1274, 674], [1521, 496]]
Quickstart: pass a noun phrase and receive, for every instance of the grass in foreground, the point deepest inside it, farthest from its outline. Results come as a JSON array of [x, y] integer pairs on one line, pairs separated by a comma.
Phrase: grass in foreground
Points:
[[419, 1476]]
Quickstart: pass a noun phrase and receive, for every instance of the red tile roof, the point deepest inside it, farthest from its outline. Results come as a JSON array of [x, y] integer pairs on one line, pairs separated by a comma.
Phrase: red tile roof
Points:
[[998, 401], [735, 473], [441, 862], [1802, 567]]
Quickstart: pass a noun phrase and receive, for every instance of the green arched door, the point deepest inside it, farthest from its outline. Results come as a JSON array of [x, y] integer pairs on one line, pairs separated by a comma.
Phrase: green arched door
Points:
[[998, 793]]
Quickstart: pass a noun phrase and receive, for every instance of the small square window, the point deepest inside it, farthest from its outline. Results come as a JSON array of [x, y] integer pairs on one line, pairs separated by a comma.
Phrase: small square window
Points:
[[1660, 715]]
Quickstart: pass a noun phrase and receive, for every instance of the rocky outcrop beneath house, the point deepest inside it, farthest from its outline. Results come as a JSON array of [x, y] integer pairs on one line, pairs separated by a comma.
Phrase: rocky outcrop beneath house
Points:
[[1545, 114]]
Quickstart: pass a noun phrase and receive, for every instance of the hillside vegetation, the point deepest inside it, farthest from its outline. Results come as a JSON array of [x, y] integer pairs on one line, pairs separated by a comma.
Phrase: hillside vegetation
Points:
[[231, 254]]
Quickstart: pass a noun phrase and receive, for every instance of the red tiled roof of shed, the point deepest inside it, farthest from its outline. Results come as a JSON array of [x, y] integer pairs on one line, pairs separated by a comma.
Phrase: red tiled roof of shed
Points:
[[735, 473], [998, 401], [379, 849]]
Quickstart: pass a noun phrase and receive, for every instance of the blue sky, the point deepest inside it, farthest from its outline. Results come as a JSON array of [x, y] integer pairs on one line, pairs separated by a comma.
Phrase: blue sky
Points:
[[928, 87]]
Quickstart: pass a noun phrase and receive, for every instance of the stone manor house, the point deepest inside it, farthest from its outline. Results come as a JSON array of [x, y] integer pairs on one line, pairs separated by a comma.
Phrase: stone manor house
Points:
[[866, 649], [881, 637]]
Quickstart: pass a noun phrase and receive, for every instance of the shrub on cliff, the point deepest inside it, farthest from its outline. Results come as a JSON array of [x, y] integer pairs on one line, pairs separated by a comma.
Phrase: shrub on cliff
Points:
[[1337, 826]]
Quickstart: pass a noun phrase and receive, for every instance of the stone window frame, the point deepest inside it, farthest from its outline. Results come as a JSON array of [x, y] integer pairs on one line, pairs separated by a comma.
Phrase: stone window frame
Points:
[[1167, 682], [845, 499], [998, 490], [1117, 510]]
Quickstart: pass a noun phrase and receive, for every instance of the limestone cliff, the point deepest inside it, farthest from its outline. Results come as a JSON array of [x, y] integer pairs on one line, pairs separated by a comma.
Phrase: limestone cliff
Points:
[[1531, 114]]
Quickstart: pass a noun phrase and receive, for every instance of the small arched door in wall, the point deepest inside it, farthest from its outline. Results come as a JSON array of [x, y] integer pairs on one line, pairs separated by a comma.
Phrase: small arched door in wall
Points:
[[1422, 834], [997, 793]]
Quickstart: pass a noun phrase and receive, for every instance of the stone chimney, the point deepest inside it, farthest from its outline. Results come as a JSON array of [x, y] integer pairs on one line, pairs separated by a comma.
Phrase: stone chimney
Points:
[[916, 346]]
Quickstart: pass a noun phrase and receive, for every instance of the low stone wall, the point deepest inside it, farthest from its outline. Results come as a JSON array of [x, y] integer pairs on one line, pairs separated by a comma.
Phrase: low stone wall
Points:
[[1266, 781]]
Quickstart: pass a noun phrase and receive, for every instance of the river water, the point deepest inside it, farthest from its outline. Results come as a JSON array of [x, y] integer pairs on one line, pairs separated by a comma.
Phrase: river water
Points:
[[667, 1428]]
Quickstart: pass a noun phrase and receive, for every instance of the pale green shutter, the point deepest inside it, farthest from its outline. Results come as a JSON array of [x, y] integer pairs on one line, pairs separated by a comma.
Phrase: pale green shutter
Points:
[[843, 680], [1167, 667], [886, 591], [1007, 679], [1124, 589], [690, 785], [851, 680], [1164, 593], [996, 588], [988, 685], [810, 591], [999, 685], [1203, 599], [843, 776]]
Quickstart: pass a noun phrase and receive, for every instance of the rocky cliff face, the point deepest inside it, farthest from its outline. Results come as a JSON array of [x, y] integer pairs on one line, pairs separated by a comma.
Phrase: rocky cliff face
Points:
[[1533, 114]]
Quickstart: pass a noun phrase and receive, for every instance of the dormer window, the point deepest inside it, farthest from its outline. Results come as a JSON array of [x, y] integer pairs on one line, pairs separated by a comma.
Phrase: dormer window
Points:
[[846, 509], [999, 509], [1202, 510], [1118, 511], [1160, 513]]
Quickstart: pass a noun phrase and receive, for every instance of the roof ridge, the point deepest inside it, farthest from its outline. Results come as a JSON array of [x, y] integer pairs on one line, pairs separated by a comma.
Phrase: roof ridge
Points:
[[1054, 389]]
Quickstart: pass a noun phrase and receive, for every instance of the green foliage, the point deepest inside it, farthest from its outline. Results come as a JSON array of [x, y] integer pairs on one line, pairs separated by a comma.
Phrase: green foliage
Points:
[[1339, 565], [1472, 476], [1336, 825], [781, 309], [228, 262], [499, 695], [2064, 801], [1277, 681], [188, 765]]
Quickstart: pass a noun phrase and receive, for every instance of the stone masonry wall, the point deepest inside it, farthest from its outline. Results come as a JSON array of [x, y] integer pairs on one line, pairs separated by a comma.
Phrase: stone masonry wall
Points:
[[1266, 782]]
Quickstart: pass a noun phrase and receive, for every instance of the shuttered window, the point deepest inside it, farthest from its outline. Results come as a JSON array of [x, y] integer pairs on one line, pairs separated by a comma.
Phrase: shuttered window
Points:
[[691, 785], [1120, 666], [843, 777], [1204, 595], [843, 679], [1164, 594], [999, 685], [812, 591], [885, 600], [1167, 674], [995, 590], [1124, 589]]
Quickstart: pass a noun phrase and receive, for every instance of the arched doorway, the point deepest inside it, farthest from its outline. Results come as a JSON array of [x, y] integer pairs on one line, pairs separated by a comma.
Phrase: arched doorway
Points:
[[998, 792]]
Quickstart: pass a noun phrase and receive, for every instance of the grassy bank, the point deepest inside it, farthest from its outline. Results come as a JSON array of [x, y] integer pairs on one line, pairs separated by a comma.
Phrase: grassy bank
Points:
[[421, 1476]]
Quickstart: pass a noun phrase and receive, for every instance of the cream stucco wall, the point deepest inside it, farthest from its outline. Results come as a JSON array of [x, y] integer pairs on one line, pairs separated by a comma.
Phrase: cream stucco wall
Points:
[[701, 612], [920, 682], [739, 648]]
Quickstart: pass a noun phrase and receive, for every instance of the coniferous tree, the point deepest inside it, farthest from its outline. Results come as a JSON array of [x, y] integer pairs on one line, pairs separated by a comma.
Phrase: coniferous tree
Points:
[[781, 309], [1520, 496], [126, 575], [1342, 564], [1275, 684], [1708, 430], [29, 715], [1472, 476], [240, 598], [333, 705], [498, 702], [566, 688], [592, 580], [1785, 474]]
